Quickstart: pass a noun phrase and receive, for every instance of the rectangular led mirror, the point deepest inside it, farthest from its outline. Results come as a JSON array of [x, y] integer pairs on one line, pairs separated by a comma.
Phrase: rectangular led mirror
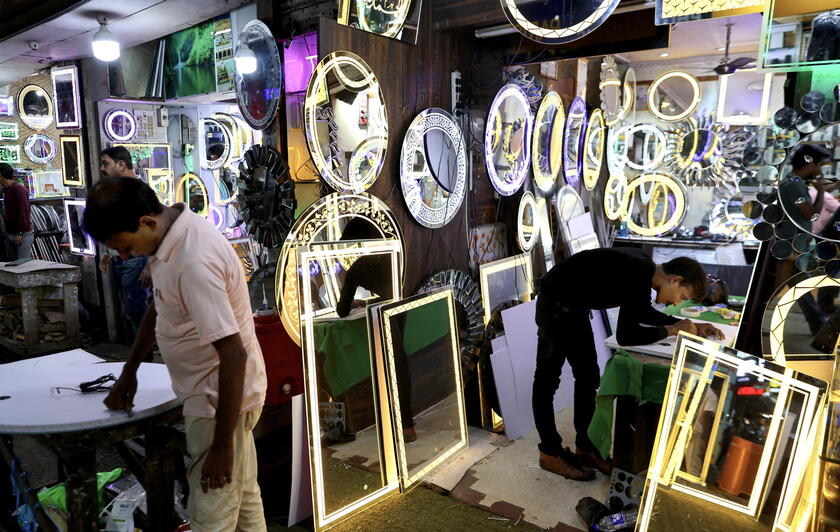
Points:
[[350, 435], [80, 242], [163, 183], [735, 436], [72, 160], [397, 19], [744, 98], [149, 155], [9, 131], [66, 92], [798, 35], [419, 343], [506, 282]]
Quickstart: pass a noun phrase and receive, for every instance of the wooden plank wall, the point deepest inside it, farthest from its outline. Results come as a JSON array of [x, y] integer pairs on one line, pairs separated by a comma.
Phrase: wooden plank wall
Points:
[[413, 78]]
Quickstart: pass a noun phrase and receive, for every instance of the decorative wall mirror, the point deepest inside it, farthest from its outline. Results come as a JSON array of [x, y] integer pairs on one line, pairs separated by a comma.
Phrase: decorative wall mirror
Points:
[[419, 344], [644, 147], [9, 154], [398, 20], [628, 97], [266, 195], [774, 426], [72, 160], [527, 230], [744, 98], [257, 75], [192, 192], [68, 111], [557, 23], [149, 155], [163, 183], [216, 144], [547, 145], [593, 149], [241, 136], [352, 461], [433, 168], [40, 149], [345, 122], [9, 131], [611, 91], [120, 125], [654, 205], [35, 107], [7, 105], [182, 135], [674, 95], [703, 153], [729, 218], [507, 140], [80, 242], [331, 218], [573, 141]]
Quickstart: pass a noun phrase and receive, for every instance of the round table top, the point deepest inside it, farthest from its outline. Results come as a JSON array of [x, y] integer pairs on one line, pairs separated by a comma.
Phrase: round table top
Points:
[[35, 407]]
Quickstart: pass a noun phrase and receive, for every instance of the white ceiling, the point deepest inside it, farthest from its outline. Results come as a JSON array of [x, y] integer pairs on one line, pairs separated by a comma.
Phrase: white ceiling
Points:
[[704, 37], [132, 21]]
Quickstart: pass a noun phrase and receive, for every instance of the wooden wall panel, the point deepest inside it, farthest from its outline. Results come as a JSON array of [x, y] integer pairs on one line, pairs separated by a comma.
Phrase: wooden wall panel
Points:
[[413, 78]]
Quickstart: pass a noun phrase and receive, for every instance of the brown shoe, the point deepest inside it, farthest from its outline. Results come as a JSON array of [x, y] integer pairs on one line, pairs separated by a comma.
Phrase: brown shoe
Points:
[[409, 435], [594, 460], [560, 466]]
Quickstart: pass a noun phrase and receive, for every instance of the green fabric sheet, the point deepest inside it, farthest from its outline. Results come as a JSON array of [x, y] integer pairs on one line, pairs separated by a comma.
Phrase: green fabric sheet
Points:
[[624, 375], [57, 495], [713, 317]]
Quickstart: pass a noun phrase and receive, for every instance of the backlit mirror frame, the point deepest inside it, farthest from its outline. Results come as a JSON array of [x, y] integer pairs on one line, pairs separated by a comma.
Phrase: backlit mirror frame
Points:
[[662, 184], [497, 135], [75, 114], [223, 159], [489, 270], [593, 162], [557, 35], [695, 98], [576, 122], [527, 236], [74, 143], [547, 144], [36, 122], [179, 193], [90, 248], [29, 143], [108, 125]]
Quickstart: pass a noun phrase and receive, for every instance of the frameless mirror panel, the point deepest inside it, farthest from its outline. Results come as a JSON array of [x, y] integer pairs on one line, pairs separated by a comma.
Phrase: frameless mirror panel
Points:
[[351, 450], [217, 144], [420, 344], [744, 97], [399, 19], [181, 133]]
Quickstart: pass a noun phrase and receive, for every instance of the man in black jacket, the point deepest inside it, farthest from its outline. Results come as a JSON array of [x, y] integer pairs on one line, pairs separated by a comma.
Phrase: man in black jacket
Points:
[[593, 280]]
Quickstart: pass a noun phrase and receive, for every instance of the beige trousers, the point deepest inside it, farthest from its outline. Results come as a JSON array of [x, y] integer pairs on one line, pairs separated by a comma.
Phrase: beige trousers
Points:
[[237, 506]]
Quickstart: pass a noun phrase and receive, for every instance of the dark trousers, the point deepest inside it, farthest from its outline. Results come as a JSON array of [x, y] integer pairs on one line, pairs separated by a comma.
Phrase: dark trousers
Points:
[[570, 339], [402, 371]]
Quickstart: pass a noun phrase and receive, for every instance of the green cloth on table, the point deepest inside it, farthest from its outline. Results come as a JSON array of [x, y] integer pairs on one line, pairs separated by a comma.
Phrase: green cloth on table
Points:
[[57, 495], [708, 315], [425, 325], [344, 344], [624, 375]]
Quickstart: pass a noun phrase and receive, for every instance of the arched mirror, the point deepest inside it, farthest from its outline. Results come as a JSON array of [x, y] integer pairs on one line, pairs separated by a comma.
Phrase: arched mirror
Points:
[[120, 125], [257, 74], [433, 168], [611, 91], [573, 141], [216, 144], [35, 107], [593, 149], [181, 133], [507, 140], [345, 122], [674, 95], [40, 149], [192, 192], [527, 229], [557, 22], [547, 146]]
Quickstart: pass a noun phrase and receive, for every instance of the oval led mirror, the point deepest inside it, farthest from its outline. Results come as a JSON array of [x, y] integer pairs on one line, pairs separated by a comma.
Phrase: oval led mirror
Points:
[[216, 139], [674, 95], [573, 141], [628, 97], [192, 192], [527, 230], [345, 122], [557, 22], [614, 195], [611, 91], [35, 107], [593, 149], [40, 149], [120, 125], [257, 74], [507, 140], [433, 168], [547, 146]]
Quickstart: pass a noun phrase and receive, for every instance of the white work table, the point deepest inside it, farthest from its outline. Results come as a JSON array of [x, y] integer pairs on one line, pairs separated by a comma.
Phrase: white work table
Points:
[[665, 348]]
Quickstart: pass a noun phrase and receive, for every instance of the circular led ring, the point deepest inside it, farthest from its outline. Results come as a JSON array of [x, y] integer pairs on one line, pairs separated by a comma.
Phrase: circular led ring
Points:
[[520, 172], [29, 144], [556, 121], [109, 128], [36, 122], [660, 148], [591, 174], [695, 100], [526, 242], [673, 221]]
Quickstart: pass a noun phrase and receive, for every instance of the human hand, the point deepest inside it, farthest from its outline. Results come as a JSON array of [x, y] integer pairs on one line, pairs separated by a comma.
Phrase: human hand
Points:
[[17, 239], [146, 277], [218, 466], [105, 263], [706, 330], [685, 325], [121, 396]]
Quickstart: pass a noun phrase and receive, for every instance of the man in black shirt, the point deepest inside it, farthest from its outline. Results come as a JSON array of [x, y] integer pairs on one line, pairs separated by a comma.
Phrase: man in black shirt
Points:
[[590, 280]]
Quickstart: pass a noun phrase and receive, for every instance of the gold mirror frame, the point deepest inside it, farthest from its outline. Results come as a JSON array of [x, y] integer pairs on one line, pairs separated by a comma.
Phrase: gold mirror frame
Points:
[[35, 122], [695, 99], [553, 155], [661, 185], [179, 193], [76, 141], [591, 174]]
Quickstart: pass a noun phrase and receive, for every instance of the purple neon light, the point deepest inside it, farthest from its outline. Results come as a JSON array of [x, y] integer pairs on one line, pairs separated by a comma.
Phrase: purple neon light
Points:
[[299, 61], [572, 172]]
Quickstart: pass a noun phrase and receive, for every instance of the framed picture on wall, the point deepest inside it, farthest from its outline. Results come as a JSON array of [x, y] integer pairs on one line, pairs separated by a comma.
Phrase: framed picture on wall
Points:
[[7, 105], [149, 155], [49, 184], [9, 131], [9, 154], [66, 94], [72, 160]]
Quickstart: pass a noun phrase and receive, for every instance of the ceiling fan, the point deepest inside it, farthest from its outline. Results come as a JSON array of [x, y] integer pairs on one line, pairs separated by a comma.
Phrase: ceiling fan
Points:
[[730, 67]]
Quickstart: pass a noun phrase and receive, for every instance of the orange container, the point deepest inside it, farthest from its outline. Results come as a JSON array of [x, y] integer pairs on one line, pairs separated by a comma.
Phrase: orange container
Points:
[[740, 466]]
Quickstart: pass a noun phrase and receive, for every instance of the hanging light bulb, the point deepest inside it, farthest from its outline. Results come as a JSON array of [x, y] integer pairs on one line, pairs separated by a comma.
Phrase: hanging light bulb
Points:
[[105, 44], [246, 60]]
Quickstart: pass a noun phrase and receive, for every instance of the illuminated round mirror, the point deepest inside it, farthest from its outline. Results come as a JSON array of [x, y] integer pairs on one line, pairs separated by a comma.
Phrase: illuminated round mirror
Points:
[[345, 122], [527, 229], [181, 134], [674, 95], [557, 22], [433, 168], [257, 74], [628, 97], [593, 149], [192, 192], [40, 149], [35, 107], [507, 140], [216, 138], [568, 204], [547, 146], [120, 125], [662, 212], [611, 91], [614, 196], [241, 135], [645, 147], [573, 141]]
